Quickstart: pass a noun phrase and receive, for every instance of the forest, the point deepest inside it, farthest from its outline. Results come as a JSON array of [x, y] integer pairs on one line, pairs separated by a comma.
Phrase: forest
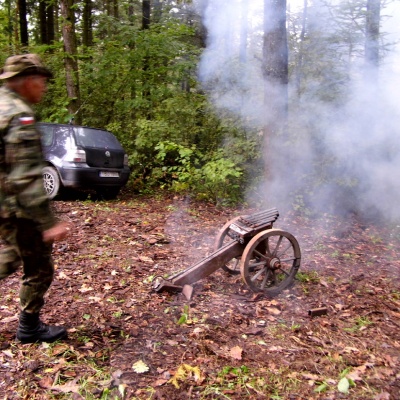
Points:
[[225, 108], [262, 101]]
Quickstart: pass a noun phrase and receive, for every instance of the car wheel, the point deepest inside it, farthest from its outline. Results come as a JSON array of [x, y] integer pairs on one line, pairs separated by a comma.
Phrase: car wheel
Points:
[[51, 182], [108, 193]]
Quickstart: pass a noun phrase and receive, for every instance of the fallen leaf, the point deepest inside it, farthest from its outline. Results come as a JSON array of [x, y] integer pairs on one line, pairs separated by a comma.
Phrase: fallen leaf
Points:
[[69, 387], [85, 288], [185, 371], [349, 349], [312, 377], [236, 352], [254, 331], [275, 348], [62, 275], [95, 298], [8, 353], [46, 382], [354, 375], [343, 385], [160, 382], [140, 367], [273, 310], [382, 396], [147, 260], [59, 349], [121, 389]]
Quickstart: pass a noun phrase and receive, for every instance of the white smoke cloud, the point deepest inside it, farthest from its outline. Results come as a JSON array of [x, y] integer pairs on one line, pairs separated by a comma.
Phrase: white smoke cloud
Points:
[[361, 135], [233, 76]]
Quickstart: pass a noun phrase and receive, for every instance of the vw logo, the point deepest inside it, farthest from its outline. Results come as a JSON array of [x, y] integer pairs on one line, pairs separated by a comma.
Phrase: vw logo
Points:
[[107, 153]]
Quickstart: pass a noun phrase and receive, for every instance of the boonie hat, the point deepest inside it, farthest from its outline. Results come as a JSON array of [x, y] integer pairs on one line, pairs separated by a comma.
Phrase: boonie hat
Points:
[[24, 64]]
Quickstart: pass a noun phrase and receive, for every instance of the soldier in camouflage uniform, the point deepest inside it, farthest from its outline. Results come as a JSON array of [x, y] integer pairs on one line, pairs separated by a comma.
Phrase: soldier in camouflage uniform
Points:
[[27, 224]]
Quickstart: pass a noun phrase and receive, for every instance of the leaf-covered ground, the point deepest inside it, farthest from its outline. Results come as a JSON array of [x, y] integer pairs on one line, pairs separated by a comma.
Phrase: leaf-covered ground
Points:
[[128, 342]]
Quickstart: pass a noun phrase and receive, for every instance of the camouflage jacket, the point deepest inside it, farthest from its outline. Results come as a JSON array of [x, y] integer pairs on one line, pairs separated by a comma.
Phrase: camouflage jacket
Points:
[[21, 162]]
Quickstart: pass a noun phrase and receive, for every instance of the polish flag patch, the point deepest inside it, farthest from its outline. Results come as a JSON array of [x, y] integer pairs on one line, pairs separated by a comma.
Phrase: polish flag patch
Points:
[[26, 120]]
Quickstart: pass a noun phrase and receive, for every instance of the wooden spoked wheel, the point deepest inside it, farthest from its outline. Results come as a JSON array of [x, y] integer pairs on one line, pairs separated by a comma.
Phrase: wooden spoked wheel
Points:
[[232, 266], [270, 261]]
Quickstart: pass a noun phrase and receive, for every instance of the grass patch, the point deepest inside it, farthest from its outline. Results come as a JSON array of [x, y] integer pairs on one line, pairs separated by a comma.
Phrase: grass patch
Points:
[[308, 277]]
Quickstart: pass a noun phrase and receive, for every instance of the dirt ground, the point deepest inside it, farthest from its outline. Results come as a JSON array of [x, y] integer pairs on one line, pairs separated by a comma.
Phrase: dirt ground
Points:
[[128, 342]]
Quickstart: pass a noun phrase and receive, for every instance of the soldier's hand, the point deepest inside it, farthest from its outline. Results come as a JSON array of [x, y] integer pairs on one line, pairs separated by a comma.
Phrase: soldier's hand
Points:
[[57, 232]]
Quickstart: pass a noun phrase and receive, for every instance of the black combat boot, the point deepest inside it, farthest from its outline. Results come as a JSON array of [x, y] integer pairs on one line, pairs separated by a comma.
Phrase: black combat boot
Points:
[[31, 329]]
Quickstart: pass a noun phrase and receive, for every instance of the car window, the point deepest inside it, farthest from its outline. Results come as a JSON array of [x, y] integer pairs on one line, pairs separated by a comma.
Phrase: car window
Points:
[[64, 140], [87, 137], [47, 135]]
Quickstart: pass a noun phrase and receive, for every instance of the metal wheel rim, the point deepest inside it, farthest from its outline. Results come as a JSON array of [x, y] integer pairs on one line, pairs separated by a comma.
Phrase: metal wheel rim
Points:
[[48, 182]]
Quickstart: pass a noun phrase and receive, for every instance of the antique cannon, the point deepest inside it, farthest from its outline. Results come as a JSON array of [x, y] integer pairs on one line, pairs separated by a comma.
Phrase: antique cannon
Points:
[[267, 258]]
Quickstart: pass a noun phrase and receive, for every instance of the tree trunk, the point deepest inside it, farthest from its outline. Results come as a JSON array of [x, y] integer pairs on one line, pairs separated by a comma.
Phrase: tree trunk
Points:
[[9, 28], [46, 22], [244, 32], [23, 23], [70, 59], [372, 39], [87, 33], [299, 64], [131, 13], [115, 9], [57, 30], [42, 22], [145, 25], [50, 23], [157, 11], [146, 14], [275, 61]]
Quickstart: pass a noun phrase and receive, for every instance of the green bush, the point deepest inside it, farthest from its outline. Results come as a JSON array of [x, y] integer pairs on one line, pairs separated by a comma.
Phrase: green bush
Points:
[[219, 180], [186, 170]]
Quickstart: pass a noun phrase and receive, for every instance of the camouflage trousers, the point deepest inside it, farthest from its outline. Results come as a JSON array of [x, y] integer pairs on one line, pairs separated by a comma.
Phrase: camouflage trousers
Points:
[[24, 247]]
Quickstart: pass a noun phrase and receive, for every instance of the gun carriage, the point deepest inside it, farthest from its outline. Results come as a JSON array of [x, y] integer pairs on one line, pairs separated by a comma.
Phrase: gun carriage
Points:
[[266, 258]]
